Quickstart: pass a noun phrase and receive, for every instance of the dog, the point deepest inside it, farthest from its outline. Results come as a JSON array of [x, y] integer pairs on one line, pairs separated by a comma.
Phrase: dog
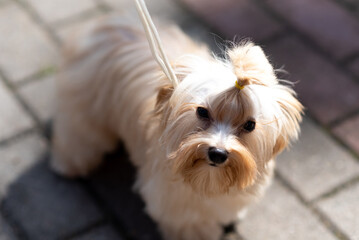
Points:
[[204, 150]]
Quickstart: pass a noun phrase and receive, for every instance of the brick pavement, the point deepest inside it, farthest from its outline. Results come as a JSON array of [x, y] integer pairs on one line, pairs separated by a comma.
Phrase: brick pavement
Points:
[[315, 194]]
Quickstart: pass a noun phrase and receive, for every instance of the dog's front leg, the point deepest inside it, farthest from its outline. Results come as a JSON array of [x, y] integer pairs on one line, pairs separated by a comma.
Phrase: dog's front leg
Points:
[[179, 221]]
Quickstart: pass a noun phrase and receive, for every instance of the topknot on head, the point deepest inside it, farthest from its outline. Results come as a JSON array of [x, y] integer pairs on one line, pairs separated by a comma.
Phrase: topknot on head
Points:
[[251, 65]]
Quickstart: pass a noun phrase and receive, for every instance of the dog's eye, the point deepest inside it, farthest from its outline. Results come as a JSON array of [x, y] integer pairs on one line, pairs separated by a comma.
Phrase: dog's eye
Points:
[[249, 126], [203, 113]]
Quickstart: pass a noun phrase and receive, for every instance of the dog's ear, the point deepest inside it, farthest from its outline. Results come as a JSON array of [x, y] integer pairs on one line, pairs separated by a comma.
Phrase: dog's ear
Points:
[[164, 94], [251, 65], [290, 116]]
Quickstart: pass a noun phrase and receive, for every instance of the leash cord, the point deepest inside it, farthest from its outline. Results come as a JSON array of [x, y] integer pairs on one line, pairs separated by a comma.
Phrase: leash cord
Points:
[[155, 42]]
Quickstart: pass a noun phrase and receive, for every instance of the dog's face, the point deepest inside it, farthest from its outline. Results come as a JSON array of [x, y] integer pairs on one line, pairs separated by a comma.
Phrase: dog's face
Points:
[[218, 137]]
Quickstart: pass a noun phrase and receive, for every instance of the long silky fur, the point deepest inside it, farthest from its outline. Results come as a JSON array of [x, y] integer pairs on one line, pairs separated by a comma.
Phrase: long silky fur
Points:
[[109, 88]]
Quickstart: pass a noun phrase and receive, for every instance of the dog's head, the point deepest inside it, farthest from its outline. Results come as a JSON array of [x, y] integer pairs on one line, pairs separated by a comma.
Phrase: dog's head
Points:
[[219, 137]]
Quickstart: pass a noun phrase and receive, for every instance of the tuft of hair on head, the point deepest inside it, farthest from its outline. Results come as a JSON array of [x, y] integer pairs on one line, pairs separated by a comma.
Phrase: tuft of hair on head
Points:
[[250, 65]]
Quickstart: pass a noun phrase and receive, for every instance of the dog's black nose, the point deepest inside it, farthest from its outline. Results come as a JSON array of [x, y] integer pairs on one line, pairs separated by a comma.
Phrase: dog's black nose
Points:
[[217, 155]]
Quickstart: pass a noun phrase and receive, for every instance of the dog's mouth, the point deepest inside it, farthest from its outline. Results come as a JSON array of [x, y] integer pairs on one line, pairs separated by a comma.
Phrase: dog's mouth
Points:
[[212, 164]]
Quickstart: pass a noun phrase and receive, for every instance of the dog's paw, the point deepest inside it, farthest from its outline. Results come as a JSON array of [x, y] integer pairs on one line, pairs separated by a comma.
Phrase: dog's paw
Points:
[[231, 236], [231, 232], [63, 168], [199, 231]]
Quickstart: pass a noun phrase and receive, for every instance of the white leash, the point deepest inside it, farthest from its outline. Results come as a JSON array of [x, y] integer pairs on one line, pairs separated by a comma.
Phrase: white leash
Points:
[[155, 42]]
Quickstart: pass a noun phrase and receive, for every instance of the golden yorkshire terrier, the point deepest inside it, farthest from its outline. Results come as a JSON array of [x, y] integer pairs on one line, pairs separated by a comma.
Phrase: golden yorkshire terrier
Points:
[[204, 149]]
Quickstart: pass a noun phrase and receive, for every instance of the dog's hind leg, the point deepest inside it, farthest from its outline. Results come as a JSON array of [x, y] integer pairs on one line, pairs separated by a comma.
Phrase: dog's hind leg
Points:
[[78, 144]]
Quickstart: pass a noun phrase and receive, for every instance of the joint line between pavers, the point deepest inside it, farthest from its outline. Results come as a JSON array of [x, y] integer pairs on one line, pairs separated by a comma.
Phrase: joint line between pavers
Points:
[[327, 131], [103, 6], [346, 64], [209, 28], [84, 230], [38, 20], [17, 136], [342, 187], [84, 15], [15, 225], [350, 58], [105, 209], [352, 8], [323, 219], [37, 76], [23, 103], [344, 118], [276, 36]]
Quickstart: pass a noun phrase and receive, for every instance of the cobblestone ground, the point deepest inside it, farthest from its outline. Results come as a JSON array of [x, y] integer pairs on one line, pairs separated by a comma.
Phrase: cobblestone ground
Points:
[[315, 194]]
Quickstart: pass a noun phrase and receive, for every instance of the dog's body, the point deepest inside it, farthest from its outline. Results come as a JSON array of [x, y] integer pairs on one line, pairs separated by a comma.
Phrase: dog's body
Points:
[[110, 87]]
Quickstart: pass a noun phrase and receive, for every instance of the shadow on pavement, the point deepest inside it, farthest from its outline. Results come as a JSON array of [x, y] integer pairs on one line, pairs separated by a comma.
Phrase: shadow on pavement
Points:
[[42, 205]]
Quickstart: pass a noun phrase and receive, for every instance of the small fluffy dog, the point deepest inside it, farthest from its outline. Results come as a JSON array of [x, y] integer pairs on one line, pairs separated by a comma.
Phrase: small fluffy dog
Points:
[[204, 150]]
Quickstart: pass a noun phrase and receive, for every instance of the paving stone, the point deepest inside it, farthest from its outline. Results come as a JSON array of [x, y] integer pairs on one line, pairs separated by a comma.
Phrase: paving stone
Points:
[[316, 164], [281, 216], [325, 21], [343, 210], [113, 183], [26, 49], [168, 9], [200, 33], [57, 10], [235, 18], [350, 2], [121, 5], [47, 206], [40, 96], [195, 29], [3, 2], [354, 66], [13, 119], [101, 233], [68, 31], [165, 9], [6, 232], [17, 157], [326, 91], [348, 131]]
